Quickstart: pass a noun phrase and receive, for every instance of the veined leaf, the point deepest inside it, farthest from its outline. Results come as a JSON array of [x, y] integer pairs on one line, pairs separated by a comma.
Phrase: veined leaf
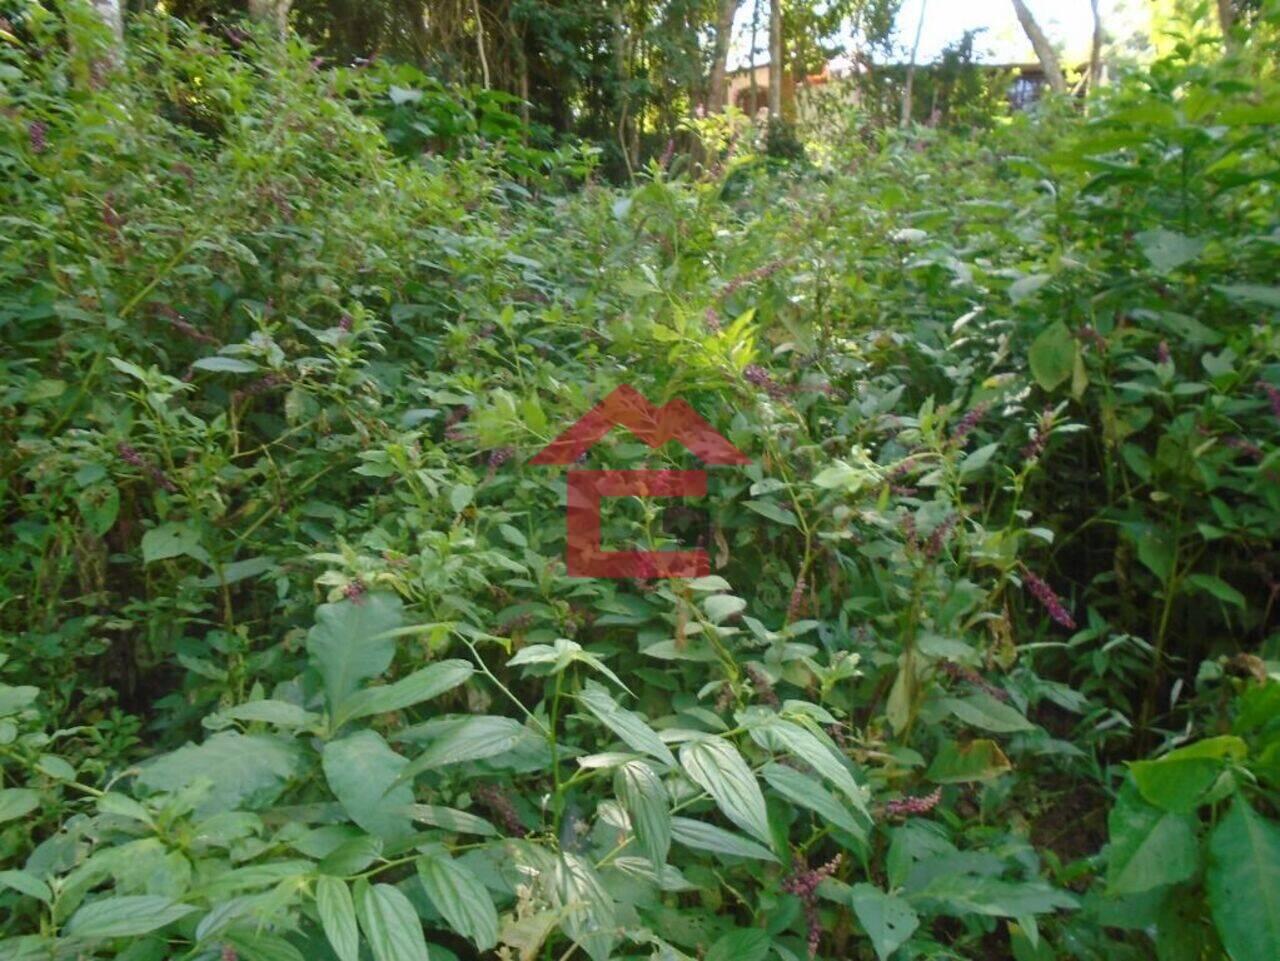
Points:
[[365, 776], [888, 920], [125, 917], [338, 918], [351, 642], [451, 819], [1148, 847], [707, 837], [423, 685], [647, 805], [1244, 883], [715, 765], [474, 739], [390, 924], [460, 897], [808, 793], [984, 711], [630, 727]]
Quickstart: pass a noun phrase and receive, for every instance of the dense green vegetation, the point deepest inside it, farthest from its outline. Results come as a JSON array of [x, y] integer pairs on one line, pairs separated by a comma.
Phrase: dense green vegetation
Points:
[[988, 663]]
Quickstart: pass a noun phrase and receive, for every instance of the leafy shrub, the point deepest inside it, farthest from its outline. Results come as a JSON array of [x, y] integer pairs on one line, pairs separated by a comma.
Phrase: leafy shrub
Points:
[[294, 668]]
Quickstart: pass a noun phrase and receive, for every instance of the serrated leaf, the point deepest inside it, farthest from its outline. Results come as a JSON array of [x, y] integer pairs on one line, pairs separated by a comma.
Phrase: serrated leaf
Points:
[[364, 775], [338, 917], [431, 681], [390, 925], [715, 765], [474, 739], [460, 897], [451, 819], [630, 727], [125, 917], [350, 642], [808, 793], [708, 837], [647, 805]]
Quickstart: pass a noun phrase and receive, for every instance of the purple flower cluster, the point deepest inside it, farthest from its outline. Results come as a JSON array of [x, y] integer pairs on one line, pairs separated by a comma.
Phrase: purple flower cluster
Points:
[[764, 687], [757, 376], [1089, 334], [345, 322], [795, 606], [38, 136], [913, 806], [760, 273], [1246, 447], [355, 592], [968, 423], [1039, 437], [1273, 395], [499, 456], [131, 457], [803, 883], [939, 536], [500, 805], [1043, 593], [1163, 354], [712, 319]]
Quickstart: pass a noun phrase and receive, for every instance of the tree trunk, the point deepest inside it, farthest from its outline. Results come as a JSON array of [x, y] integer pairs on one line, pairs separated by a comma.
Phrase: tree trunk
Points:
[[1095, 50], [908, 88], [726, 11], [272, 12], [1227, 22], [111, 12], [1043, 48], [775, 59]]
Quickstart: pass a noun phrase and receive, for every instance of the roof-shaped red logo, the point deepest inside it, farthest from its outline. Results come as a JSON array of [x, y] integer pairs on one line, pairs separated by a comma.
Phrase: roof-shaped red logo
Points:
[[627, 407]]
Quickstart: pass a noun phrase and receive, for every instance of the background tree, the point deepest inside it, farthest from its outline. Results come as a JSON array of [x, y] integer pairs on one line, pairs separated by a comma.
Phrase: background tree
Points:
[[1044, 49]]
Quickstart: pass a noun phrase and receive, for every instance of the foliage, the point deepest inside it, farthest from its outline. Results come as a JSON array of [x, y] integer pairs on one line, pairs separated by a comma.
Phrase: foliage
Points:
[[985, 665]]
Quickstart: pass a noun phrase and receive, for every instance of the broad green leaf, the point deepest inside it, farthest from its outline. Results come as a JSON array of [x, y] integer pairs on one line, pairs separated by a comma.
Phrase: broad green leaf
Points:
[[243, 770], [888, 920], [715, 765], [630, 727], [1218, 588], [1253, 293], [707, 837], [125, 917], [226, 365], [744, 944], [474, 739], [423, 685], [589, 918], [350, 643], [390, 924], [984, 711], [27, 884], [805, 746], [460, 897], [16, 802], [962, 895], [805, 791], [647, 805], [720, 607], [978, 760], [16, 699], [279, 713], [1167, 249], [338, 917], [1148, 847], [261, 946], [99, 506], [171, 540], [451, 819], [1052, 355], [1244, 883], [364, 775], [1181, 780]]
